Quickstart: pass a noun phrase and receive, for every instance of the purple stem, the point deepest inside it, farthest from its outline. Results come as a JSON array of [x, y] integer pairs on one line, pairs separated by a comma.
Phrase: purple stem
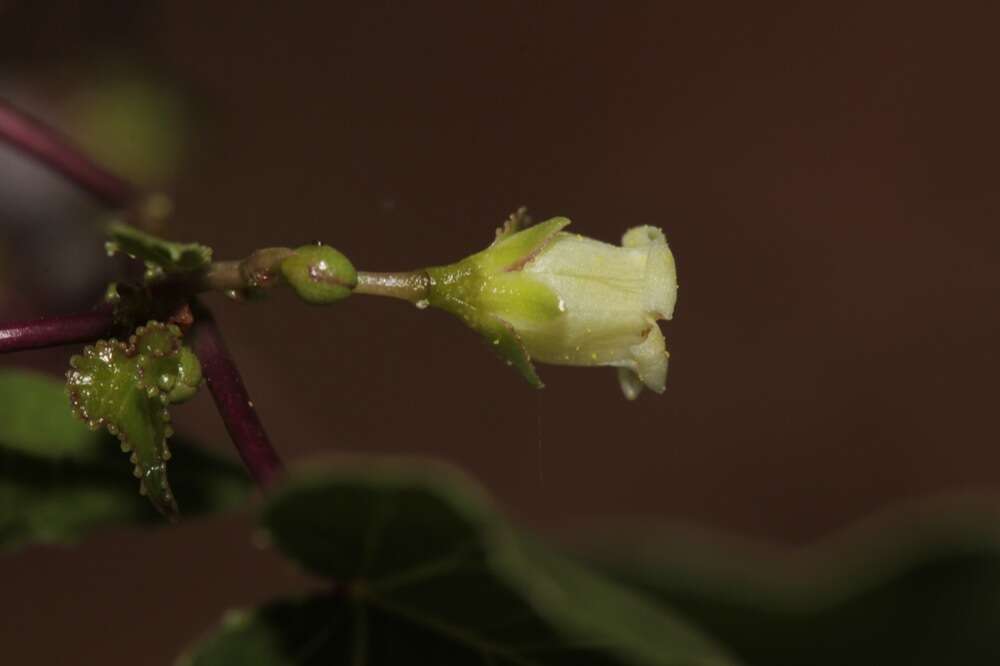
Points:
[[233, 401], [55, 331], [34, 138]]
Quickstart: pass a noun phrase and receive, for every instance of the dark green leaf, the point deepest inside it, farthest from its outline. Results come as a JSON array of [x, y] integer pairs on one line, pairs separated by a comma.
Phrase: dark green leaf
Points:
[[428, 573], [920, 593], [59, 480]]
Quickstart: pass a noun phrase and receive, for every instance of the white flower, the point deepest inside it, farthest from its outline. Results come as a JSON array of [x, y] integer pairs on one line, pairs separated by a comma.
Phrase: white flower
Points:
[[564, 299]]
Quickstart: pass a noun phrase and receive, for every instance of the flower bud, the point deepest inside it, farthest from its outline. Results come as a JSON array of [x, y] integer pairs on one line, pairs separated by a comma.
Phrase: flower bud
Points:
[[319, 274]]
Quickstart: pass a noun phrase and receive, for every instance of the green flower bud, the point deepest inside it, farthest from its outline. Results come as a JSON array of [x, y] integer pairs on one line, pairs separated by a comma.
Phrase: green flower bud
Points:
[[319, 274], [564, 299]]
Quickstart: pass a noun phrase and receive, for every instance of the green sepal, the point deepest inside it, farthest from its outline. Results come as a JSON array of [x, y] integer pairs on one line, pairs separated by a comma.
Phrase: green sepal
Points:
[[466, 292], [126, 387], [511, 252], [506, 343], [520, 299], [491, 295], [161, 256], [516, 221]]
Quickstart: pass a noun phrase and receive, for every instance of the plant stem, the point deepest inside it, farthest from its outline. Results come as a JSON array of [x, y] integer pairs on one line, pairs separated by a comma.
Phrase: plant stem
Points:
[[34, 138], [55, 331], [233, 401], [412, 286], [261, 269]]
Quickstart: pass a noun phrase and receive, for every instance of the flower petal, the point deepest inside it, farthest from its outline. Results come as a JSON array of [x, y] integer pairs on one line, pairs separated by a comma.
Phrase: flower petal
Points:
[[630, 383], [660, 289], [650, 360]]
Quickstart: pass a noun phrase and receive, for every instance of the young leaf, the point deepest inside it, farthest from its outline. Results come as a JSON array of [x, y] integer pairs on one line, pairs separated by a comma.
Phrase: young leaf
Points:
[[427, 573], [125, 387], [161, 256], [59, 481], [921, 592]]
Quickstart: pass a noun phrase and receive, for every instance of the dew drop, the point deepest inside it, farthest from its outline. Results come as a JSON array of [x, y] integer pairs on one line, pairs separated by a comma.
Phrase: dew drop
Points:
[[166, 381], [422, 304], [136, 472]]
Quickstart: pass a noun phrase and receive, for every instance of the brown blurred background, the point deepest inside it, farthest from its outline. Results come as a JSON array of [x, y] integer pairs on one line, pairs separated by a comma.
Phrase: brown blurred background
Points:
[[827, 177]]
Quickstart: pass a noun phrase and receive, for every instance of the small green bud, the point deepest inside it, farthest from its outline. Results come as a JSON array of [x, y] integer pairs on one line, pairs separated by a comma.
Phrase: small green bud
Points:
[[188, 378], [319, 274]]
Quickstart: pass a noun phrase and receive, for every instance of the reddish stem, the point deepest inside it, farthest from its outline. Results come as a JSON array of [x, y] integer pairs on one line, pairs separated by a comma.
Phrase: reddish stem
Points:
[[55, 331], [233, 401], [34, 138]]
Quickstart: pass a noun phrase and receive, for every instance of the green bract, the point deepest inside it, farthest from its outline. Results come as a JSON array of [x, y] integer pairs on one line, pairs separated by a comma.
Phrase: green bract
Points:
[[126, 387], [564, 299], [319, 274]]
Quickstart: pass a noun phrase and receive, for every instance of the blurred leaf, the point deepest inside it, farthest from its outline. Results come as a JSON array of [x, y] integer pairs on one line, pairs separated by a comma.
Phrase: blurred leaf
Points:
[[918, 593], [59, 480], [428, 573], [130, 121]]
